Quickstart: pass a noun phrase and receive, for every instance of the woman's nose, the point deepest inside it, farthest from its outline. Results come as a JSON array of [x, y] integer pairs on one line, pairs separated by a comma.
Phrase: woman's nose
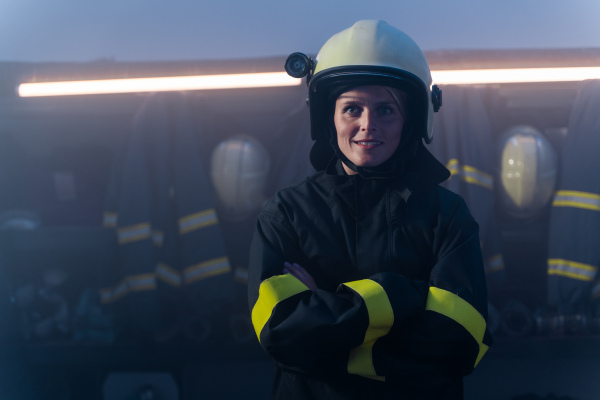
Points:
[[367, 122]]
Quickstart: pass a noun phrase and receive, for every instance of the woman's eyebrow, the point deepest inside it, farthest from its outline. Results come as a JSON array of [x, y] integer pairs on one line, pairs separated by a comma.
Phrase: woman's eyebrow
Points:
[[355, 98], [347, 98]]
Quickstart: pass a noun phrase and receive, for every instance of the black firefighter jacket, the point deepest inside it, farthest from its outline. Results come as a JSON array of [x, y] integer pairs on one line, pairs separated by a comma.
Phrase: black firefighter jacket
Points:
[[401, 305]]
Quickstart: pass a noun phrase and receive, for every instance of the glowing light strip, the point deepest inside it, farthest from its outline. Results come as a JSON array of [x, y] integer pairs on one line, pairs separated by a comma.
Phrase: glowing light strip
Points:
[[274, 79], [159, 84], [480, 76]]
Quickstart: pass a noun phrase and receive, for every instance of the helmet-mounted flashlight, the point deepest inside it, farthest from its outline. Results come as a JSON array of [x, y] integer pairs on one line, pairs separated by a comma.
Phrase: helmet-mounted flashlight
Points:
[[298, 65], [436, 98]]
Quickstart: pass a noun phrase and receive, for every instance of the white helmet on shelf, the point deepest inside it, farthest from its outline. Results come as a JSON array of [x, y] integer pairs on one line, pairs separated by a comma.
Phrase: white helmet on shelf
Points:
[[528, 171], [239, 171]]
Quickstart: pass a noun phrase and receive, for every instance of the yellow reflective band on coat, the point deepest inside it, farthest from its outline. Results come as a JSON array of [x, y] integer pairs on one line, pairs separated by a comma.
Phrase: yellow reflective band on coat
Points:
[[360, 362], [572, 198], [381, 319], [109, 219], [459, 310], [470, 174], [206, 269], [198, 220], [158, 237], [134, 233], [167, 274], [240, 275], [571, 269], [453, 166], [271, 292], [494, 264], [133, 283], [477, 177]]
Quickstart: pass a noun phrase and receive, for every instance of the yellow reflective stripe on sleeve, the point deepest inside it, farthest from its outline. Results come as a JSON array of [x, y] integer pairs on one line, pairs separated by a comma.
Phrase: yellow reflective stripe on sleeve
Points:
[[572, 198], [361, 361], [240, 275], [206, 269], [571, 269], [482, 350], [158, 237], [198, 220], [478, 177], [109, 219], [168, 274], [452, 306], [470, 174], [381, 319], [494, 264], [453, 166], [271, 292], [133, 233], [132, 283]]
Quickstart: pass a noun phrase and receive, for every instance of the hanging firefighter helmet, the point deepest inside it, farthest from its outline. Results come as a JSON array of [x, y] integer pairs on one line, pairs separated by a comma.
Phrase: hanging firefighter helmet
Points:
[[528, 170], [239, 172], [370, 52]]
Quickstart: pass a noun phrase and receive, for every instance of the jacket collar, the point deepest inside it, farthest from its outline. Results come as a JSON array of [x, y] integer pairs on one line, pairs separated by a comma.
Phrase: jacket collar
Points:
[[422, 170]]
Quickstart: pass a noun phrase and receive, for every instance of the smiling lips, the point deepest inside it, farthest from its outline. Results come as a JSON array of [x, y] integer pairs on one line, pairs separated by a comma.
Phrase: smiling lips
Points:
[[368, 144]]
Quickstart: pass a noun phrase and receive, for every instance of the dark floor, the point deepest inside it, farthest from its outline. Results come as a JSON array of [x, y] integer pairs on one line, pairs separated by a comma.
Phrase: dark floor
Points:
[[567, 369]]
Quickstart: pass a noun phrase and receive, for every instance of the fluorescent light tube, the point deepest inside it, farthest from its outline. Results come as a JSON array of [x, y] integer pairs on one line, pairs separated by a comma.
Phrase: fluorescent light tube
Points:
[[520, 75], [160, 84], [274, 79]]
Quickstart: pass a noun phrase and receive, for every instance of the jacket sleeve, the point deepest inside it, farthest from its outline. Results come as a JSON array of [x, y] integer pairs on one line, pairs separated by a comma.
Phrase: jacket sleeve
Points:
[[300, 328], [450, 337]]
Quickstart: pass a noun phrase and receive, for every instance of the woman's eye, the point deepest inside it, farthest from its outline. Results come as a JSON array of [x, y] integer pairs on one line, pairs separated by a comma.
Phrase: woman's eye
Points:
[[384, 110], [351, 110]]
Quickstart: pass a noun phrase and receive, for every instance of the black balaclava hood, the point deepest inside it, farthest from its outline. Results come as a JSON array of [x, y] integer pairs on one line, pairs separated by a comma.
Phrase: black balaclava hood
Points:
[[323, 151]]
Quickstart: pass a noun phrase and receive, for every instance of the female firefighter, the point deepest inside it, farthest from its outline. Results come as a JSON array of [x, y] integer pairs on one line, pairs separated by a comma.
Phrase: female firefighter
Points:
[[366, 279]]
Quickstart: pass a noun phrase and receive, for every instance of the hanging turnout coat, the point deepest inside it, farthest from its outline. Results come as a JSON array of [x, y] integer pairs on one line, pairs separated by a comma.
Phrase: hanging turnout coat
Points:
[[573, 252], [400, 310], [464, 143], [170, 243]]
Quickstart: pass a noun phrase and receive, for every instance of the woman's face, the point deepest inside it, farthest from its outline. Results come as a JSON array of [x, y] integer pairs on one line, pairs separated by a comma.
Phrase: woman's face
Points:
[[369, 122]]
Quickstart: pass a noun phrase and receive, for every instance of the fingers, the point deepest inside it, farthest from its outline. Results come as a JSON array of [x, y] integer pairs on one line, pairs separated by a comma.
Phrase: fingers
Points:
[[289, 268], [300, 273]]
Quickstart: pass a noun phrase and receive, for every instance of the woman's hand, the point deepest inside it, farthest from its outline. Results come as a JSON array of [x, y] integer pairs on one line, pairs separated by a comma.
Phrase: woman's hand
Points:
[[303, 276]]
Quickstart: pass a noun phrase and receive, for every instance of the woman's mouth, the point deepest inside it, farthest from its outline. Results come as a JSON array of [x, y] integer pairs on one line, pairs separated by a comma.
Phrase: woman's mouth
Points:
[[368, 143]]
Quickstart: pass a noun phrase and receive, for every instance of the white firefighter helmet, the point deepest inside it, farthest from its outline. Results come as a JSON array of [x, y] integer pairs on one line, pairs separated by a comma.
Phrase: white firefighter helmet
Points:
[[239, 172], [371, 52], [528, 171]]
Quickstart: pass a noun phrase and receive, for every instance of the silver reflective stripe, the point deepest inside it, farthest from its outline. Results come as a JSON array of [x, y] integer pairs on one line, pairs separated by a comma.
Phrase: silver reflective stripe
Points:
[[198, 220], [134, 233], [206, 269], [168, 274], [571, 269], [453, 166], [158, 238], [571, 198], [241, 275], [134, 283], [473, 175], [470, 174], [494, 264], [142, 282], [111, 294], [110, 219]]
